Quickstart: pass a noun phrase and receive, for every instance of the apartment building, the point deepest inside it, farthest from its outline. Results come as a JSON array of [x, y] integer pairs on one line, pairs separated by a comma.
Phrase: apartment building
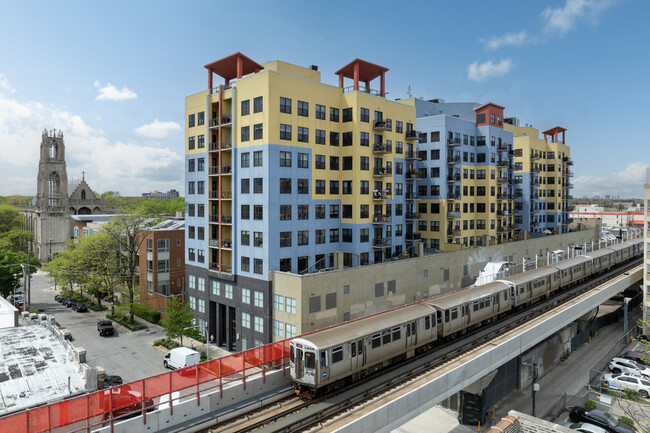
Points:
[[282, 172], [161, 263], [542, 169], [464, 175], [646, 274]]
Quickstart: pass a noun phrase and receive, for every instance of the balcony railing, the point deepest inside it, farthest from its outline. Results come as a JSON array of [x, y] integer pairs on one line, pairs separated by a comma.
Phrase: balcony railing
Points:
[[535, 156], [453, 215], [453, 196], [452, 160], [412, 135], [227, 243], [501, 179], [382, 171], [380, 219], [410, 155], [413, 236], [380, 195], [225, 145], [382, 242], [567, 160], [453, 178], [412, 175], [504, 197], [503, 163], [225, 170], [504, 228], [361, 89], [502, 147], [453, 232], [225, 121], [412, 216], [411, 195], [380, 125], [382, 148], [453, 142]]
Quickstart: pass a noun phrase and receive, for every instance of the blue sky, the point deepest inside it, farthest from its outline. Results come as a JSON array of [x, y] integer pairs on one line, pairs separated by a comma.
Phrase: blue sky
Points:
[[113, 75]]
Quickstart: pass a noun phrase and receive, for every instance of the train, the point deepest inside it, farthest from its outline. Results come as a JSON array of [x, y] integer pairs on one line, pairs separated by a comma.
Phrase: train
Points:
[[327, 359]]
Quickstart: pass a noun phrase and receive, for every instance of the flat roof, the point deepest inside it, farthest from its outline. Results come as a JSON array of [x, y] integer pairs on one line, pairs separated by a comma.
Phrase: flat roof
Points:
[[34, 368]]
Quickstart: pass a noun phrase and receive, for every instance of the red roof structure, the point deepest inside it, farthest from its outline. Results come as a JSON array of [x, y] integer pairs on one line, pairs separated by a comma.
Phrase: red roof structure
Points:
[[554, 134], [360, 70], [234, 66]]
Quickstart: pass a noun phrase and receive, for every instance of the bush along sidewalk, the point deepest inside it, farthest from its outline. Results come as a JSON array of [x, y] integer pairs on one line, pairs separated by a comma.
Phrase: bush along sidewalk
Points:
[[124, 321], [167, 343]]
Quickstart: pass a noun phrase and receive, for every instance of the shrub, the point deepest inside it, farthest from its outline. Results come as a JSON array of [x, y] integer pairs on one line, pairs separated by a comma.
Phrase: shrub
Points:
[[626, 420], [146, 313], [632, 395], [167, 343], [590, 404], [124, 321]]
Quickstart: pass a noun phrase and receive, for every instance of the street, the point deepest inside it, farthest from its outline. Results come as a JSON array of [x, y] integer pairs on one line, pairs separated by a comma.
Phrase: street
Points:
[[127, 354]]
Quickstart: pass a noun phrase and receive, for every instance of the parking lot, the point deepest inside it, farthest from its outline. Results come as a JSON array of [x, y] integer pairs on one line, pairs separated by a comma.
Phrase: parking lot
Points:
[[127, 354]]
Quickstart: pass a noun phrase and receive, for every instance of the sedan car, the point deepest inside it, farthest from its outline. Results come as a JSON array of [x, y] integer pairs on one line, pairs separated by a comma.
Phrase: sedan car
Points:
[[585, 427], [79, 307], [627, 381], [621, 365], [112, 380], [599, 418], [637, 356]]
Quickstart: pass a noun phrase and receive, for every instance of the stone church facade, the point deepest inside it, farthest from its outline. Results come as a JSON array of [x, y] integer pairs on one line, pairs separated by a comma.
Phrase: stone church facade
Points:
[[48, 215]]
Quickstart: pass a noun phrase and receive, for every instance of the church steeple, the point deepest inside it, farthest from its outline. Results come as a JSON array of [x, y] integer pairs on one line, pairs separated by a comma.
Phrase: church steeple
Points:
[[52, 188]]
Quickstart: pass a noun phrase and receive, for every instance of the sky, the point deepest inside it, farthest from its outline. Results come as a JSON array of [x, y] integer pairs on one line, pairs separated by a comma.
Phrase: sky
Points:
[[113, 75]]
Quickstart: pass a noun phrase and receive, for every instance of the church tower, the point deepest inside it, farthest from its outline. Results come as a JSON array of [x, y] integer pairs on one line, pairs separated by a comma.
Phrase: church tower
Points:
[[52, 200]]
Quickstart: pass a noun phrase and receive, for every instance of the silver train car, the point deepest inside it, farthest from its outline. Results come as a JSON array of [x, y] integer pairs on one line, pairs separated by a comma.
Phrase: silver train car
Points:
[[328, 358]]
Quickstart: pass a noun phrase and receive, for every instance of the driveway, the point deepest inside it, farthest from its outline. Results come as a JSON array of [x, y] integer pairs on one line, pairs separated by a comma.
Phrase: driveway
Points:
[[127, 354]]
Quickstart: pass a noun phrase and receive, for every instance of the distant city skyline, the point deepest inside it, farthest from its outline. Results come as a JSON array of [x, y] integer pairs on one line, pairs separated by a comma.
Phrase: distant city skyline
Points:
[[114, 77]]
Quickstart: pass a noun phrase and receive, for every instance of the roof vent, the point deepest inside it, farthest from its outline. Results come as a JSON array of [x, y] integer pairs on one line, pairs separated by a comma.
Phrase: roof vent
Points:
[[313, 67]]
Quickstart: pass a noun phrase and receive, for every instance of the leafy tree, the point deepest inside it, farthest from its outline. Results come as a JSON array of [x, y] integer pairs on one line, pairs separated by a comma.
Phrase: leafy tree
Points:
[[10, 270], [9, 218], [179, 320]]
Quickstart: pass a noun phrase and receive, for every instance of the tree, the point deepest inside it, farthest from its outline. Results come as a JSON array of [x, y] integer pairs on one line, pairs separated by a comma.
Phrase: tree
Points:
[[10, 270], [9, 218], [179, 320]]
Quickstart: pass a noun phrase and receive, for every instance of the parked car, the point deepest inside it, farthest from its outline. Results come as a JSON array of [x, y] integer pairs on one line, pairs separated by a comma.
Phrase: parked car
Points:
[[79, 307], [105, 327], [627, 381], [112, 380], [68, 302], [638, 357], [599, 418], [57, 298], [621, 365], [585, 427], [181, 357]]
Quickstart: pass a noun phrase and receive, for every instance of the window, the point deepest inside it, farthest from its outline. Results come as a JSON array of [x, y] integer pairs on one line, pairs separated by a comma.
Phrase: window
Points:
[[334, 186], [303, 186], [190, 143], [285, 105], [320, 112], [258, 212], [334, 114], [259, 266], [258, 131], [320, 236], [320, 187], [191, 165], [334, 211], [278, 328], [245, 107], [245, 160], [320, 211], [365, 187], [303, 237], [334, 138], [245, 237], [334, 235], [258, 300], [303, 108], [201, 141], [245, 133], [347, 211], [364, 116], [347, 234], [245, 211], [347, 115], [258, 105], [364, 235], [258, 185], [320, 162], [246, 296], [285, 132], [285, 159], [320, 136], [200, 187], [303, 211], [435, 154], [190, 120], [285, 265], [435, 136], [258, 239], [365, 139], [347, 139], [303, 160], [285, 212], [290, 305], [200, 165], [364, 163], [334, 162], [258, 158], [245, 320], [347, 187], [303, 134]]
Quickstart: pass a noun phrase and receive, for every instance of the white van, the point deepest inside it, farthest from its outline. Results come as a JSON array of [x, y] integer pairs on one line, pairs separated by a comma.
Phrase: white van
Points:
[[181, 357]]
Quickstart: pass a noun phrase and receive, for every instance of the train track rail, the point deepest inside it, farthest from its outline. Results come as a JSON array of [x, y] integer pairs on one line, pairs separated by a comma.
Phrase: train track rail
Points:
[[294, 414]]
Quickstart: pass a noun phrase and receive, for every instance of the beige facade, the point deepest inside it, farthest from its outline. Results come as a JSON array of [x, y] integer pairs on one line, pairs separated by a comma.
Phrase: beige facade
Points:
[[327, 298]]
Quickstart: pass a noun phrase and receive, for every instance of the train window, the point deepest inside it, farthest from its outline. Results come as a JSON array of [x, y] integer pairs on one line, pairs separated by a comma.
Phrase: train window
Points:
[[505, 295], [427, 322], [323, 359], [397, 333], [433, 320], [487, 302], [439, 314], [385, 337], [337, 354], [565, 272], [475, 306], [376, 341], [454, 313], [521, 289], [360, 346], [413, 328], [291, 353], [408, 329], [446, 316], [310, 360], [354, 349]]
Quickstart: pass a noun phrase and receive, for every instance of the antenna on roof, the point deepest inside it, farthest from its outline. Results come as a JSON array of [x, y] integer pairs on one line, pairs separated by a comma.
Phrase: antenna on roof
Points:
[[408, 92]]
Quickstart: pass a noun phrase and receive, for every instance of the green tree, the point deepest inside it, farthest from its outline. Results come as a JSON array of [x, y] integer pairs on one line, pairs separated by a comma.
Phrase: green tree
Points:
[[9, 218], [11, 272], [179, 320]]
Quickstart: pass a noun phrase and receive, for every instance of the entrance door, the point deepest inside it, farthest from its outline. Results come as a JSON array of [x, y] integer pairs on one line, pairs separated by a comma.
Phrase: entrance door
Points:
[[212, 322], [300, 364], [223, 326], [232, 341]]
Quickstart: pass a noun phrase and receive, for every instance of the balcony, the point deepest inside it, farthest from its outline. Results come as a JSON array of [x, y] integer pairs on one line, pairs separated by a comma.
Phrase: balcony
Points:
[[225, 146], [503, 163], [567, 160], [569, 174], [411, 195], [453, 178], [225, 170], [568, 185], [452, 160], [225, 195], [453, 196], [381, 148], [413, 236], [226, 243], [535, 156], [515, 181], [504, 197], [453, 232], [382, 242], [226, 122], [380, 219], [380, 125], [502, 179], [380, 195], [382, 171], [411, 156], [502, 147], [504, 228], [453, 142], [412, 175], [453, 215], [412, 135], [412, 216], [225, 271], [534, 169]]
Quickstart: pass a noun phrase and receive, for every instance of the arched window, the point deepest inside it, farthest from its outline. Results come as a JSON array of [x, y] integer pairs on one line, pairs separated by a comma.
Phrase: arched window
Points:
[[83, 194], [54, 199], [54, 149]]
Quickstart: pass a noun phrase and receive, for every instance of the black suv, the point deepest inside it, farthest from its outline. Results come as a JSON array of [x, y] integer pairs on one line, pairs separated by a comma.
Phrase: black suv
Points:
[[105, 327], [599, 418]]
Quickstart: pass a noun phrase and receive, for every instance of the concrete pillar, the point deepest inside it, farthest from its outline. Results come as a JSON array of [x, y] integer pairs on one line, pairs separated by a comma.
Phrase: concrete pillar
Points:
[[338, 260]]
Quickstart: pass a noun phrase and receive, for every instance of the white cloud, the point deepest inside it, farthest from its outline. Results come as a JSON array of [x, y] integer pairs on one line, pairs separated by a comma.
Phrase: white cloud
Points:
[[158, 129], [625, 183], [112, 93], [482, 71], [127, 167], [509, 39], [4, 83], [563, 19]]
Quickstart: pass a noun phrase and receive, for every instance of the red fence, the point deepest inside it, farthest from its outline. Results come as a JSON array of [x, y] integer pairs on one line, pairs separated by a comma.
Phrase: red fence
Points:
[[137, 397]]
